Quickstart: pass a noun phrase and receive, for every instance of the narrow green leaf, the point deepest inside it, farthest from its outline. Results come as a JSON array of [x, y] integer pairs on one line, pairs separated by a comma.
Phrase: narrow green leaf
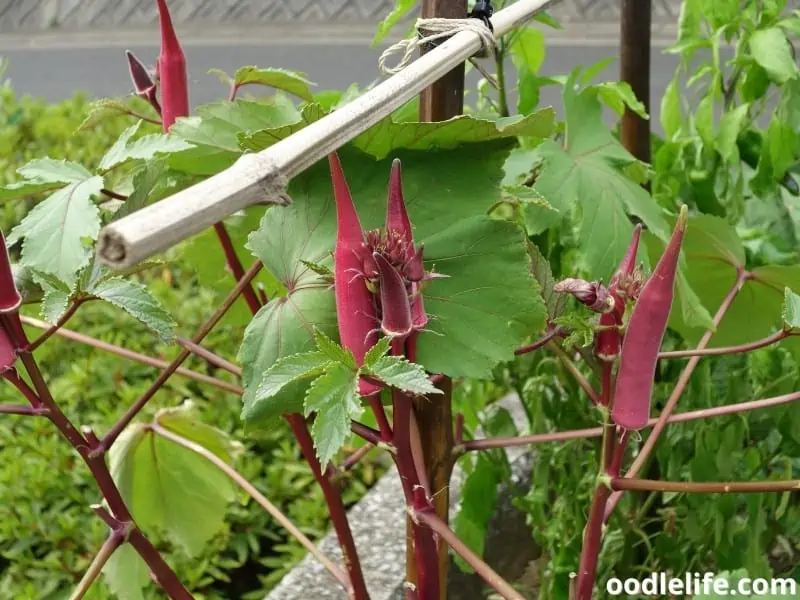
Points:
[[334, 397], [288, 370], [618, 95], [104, 109], [772, 50], [729, 127], [791, 309], [397, 372], [477, 507], [144, 181], [137, 301], [528, 49], [544, 275], [671, 118], [289, 81], [380, 348], [334, 351], [401, 9], [704, 119], [56, 229]]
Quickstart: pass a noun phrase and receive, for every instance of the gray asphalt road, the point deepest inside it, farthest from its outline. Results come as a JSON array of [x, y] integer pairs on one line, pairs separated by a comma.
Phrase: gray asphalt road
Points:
[[54, 73]]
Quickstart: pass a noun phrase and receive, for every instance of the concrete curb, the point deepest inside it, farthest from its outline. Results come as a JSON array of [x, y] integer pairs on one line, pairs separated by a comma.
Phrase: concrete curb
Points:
[[379, 529]]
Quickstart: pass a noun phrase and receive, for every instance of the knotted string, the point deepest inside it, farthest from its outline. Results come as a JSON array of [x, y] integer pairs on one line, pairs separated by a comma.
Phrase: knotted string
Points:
[[431, 30]]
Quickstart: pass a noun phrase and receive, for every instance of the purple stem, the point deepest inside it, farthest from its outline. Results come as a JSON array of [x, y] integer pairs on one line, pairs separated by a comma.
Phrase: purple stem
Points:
[[577, 434]]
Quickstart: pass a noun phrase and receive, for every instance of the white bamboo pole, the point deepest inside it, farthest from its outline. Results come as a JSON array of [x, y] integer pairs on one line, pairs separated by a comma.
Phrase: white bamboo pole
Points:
[[263, 176]]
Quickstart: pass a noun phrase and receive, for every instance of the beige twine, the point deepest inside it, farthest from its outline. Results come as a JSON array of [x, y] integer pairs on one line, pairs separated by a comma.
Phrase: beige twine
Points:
[[432, 30]]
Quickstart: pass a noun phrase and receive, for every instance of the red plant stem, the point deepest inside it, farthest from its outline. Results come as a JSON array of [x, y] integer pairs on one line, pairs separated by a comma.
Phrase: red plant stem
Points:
[[593, 533], [135, 356], [380, 417], [210, 357], [423, 545], [113, 194], [22, 409], [749, 347], [592, 539], [368, 433], [114, 541], [248, 487], [119, 426], [73, 307], [235, 266], [577, 434], [138, 115], [576, 374], [158, 568], [678, 390], [96, 462], [431, 519], [352, 460], [541, 342], [458, 434], [335, 506], [710, 487], [619, 453], [606, 375]]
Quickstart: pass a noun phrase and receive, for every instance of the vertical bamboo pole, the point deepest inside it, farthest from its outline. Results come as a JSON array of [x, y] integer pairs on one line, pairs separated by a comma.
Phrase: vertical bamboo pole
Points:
[[635, 25], [439, 102]]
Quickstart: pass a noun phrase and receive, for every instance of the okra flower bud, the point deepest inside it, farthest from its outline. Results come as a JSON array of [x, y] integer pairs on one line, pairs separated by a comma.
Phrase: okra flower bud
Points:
[[395, 307], [593, 295], [143, 84]]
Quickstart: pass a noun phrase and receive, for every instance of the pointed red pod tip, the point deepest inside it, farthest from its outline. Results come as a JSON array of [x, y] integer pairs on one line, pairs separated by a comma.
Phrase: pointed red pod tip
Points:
[[348, 225], [171, 71], [396, 213], [10, 298], [395, 307], [648, 324], [169, 39], [629, 260]]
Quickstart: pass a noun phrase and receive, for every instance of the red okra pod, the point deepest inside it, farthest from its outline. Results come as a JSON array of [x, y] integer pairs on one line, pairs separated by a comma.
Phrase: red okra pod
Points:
[[396, 310], [10, 301], [171, 71], [10, 298], [645, 332], [356, 312]]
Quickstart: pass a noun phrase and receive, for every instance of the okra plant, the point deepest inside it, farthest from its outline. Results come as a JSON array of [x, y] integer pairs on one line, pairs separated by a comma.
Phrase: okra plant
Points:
[[417, 261]]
